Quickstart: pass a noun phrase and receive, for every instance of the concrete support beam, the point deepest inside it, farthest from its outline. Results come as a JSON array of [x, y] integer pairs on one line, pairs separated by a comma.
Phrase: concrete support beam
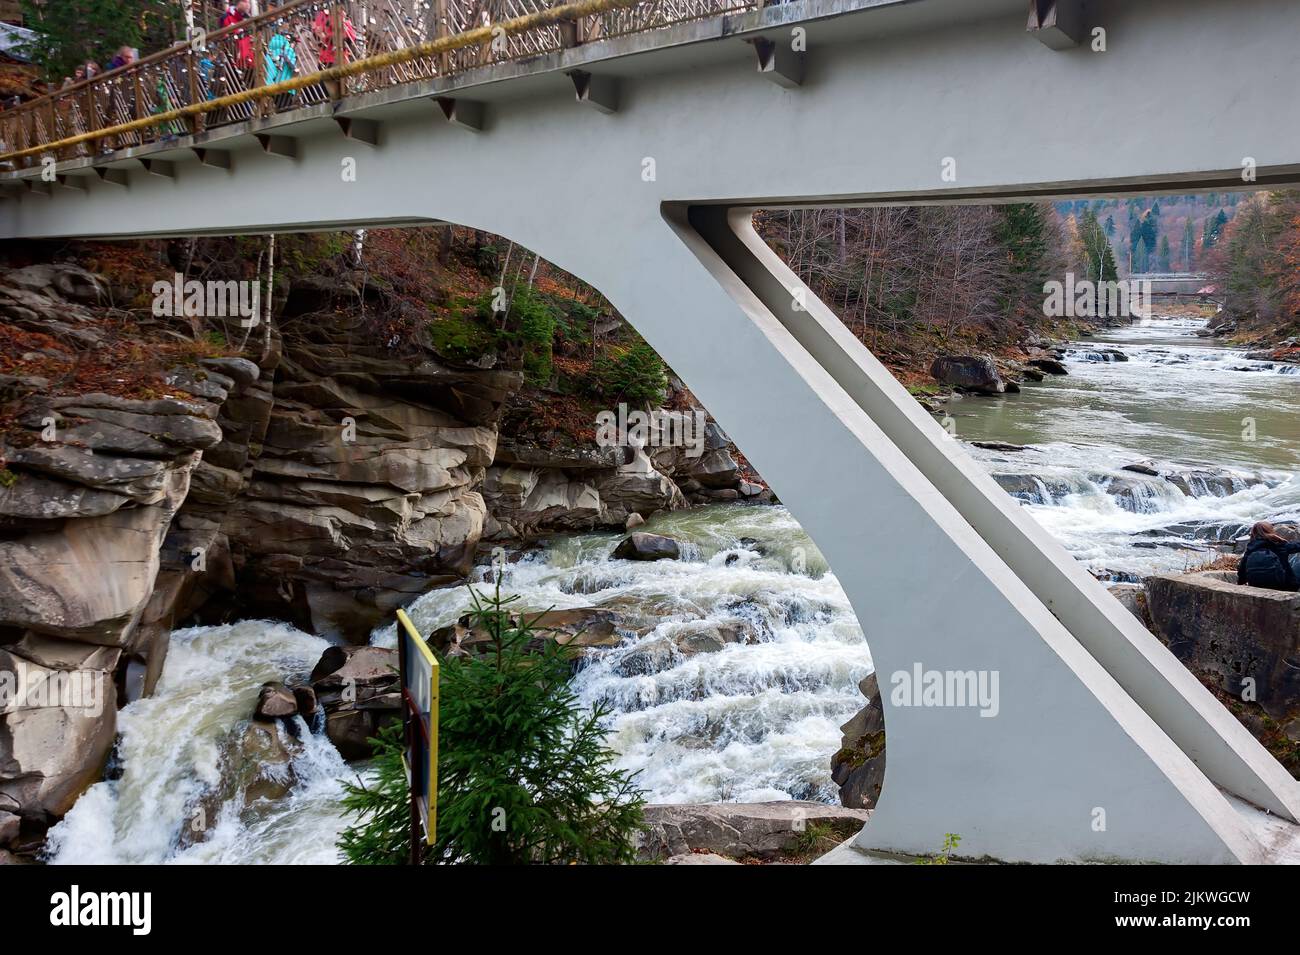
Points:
[[466, 114], [283, 146], [779, 62], [1057, 24], [117, 177], [598, 92], [76, 183], [217, 158], [39, 187], [362, 130], [159, 167]]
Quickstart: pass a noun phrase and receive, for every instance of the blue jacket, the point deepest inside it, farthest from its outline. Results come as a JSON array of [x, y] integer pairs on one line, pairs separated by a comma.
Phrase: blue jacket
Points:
[[281, 59]]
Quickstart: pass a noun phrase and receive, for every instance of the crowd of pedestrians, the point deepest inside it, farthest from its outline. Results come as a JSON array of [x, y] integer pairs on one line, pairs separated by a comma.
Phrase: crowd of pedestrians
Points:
[[290, 48]]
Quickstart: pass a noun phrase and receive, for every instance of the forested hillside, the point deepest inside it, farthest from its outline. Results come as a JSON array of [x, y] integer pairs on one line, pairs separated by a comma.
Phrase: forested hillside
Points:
[[1158, 234], [1256, 267]]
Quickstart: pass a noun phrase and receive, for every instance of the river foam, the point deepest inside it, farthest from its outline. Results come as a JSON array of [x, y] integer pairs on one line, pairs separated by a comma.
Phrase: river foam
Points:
[[168, 753], [758, 719]]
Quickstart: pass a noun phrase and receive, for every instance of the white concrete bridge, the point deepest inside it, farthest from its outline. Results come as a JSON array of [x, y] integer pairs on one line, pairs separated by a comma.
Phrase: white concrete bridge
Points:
[[1172, 283], [635, 161]]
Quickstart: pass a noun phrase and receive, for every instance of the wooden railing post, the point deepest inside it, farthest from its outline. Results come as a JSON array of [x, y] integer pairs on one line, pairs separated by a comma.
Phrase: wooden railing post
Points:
[[195, 91], [92, 118], [140, 112], [441, 29], [51, 125], [262, 107], [336, 25]]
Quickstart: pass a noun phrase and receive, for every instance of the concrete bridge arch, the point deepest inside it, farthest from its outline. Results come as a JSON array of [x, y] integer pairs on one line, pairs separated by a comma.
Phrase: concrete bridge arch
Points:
[[1094, 713]]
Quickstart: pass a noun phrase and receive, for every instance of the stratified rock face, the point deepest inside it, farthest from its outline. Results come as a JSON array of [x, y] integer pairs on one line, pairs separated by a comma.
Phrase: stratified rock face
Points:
[[524, 500], [858, 768], [326, 483], [604, 491], [763, 830], [977, 374], [1233, 633], [88, 579], [93, 484], [56, 724], [365, 490]]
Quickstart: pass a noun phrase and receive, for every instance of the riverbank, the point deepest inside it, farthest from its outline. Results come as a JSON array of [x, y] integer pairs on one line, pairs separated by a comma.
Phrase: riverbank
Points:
[[730, 666], [151, 479]]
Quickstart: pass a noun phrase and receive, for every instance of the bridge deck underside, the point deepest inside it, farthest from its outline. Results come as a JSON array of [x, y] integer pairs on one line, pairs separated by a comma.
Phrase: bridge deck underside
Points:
[[650, 203]]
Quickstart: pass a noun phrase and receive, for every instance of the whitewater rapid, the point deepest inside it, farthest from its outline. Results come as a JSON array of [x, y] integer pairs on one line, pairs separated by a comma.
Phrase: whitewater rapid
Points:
[[758, 719], [168, 754], [753, 721], [1178, 402]]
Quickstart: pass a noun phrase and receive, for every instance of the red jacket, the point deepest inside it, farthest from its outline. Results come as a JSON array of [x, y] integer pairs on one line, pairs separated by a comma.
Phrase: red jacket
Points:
[[324, 30], [244, 43]]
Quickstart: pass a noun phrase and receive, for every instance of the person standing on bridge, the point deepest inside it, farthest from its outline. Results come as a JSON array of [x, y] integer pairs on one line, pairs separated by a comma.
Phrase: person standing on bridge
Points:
[[238, 13], [1267, 561], [328, 23], [125, 56], [281, 64]]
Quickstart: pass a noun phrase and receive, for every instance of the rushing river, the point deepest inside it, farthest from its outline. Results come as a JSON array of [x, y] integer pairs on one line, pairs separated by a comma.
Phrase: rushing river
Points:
[[758, 719], [1185, 404]]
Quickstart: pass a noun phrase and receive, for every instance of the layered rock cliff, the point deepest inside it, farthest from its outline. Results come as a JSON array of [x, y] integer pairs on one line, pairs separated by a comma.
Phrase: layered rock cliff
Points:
[[314, 476]]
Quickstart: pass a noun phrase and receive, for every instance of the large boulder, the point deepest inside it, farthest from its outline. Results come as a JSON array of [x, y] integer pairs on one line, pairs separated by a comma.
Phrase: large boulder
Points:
[[685, 641], [275, 701], [256, 763], [1211, 482], [714, 469], [643, 546], [1051, 366], [357, 689], [760, 831], [57, 723], [59, 280], [858, 767], [1233, 634], [977, 374]]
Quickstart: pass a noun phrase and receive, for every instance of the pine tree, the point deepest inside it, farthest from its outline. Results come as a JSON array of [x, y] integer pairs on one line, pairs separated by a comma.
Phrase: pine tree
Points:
[[383, 835], [70, 32], [635, 375], [1022, 229], [1164, 257], [524, 773]]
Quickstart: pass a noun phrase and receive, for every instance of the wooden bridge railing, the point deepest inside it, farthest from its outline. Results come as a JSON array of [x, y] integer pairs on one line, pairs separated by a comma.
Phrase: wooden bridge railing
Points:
[[298, 39]]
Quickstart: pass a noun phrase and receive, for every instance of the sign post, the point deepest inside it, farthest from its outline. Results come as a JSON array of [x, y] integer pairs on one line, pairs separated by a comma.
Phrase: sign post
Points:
[[420, 708]]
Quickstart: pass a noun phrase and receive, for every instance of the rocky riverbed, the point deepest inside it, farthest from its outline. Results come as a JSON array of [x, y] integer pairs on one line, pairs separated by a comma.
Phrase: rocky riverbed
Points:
[[321, 481], [322, 484]]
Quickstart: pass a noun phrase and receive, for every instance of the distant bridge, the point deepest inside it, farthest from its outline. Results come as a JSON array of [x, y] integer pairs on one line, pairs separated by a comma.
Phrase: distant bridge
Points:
[[1173, 283], [630, 144]]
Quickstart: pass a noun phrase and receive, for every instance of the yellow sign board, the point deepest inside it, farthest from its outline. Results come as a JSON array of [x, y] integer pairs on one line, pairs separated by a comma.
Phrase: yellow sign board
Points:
[[420, 696]]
